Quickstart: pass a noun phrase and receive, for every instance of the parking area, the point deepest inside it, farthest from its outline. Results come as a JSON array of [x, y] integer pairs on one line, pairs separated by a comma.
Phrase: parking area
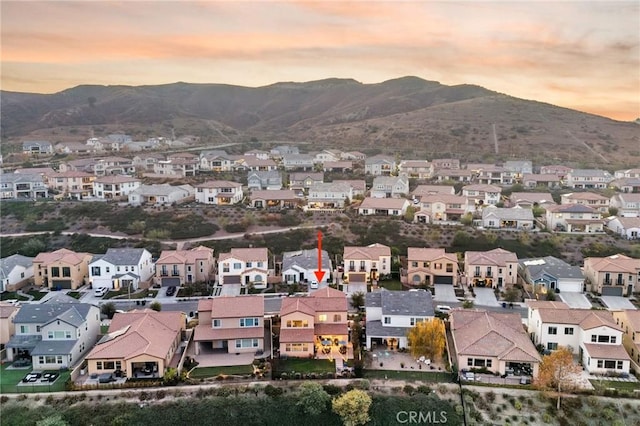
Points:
[[445, 293], [575, 300], [617, 302], [230, 290], [485, 297]]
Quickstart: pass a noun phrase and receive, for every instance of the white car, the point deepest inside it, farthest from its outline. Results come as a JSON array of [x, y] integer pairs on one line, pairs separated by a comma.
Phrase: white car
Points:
[[443, 309], [314, 284], [101, 291]]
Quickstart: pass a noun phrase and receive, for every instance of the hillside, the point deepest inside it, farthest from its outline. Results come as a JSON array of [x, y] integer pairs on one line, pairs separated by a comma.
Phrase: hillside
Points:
[[407, 115]]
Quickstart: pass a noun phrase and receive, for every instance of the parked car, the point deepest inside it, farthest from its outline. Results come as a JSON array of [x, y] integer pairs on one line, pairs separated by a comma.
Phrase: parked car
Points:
[[444, 309], [314, 284], [171, 291], [101, 291]]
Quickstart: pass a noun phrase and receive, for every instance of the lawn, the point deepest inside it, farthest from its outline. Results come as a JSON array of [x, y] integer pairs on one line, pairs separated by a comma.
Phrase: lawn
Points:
[[391, 284], [10, 378], [423, 376], [74, 294], [37, 295], [621, 386], [306, 365], [10, 295], [204, 372]]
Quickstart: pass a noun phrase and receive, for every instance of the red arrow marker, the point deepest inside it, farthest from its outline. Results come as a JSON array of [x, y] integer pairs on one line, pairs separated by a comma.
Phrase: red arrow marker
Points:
[[319, 273]]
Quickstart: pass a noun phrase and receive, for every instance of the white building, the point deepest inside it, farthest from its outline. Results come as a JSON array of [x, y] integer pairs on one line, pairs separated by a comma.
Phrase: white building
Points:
[[114, 186], [121, 268], [244, 266], [219, 192], [15, 271], [627, 227], [300, 266]]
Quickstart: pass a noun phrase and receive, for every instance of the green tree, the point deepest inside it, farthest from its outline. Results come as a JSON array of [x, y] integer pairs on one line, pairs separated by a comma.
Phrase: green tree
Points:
[[313, 399], [108, 309], [467, 219], [156, 306], [55, 420], [32, 247], [427, 338], [613, 211], [512, 295], [353, 407], [410, 214], [357, 300]]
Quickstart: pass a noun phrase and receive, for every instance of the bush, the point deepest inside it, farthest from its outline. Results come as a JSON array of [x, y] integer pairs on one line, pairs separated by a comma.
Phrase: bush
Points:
[[424, 389], [332, 389], [409, 390], [273, 391], [518, 405]]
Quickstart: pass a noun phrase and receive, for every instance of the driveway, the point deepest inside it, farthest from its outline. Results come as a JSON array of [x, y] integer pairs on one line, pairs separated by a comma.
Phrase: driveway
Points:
[[485, 297], [230, 290], [445, 293], [617, 302], [575, 300]]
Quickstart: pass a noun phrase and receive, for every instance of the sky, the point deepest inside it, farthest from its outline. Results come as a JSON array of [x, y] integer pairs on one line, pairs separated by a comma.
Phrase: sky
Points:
[[579, 55]]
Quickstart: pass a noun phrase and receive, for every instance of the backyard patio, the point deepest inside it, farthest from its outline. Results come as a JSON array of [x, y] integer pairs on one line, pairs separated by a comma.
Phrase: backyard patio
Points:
[[384, 359]]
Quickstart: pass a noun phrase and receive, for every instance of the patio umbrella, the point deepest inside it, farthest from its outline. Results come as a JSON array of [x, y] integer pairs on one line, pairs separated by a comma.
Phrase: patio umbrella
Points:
[[326, 342], [342, 342]]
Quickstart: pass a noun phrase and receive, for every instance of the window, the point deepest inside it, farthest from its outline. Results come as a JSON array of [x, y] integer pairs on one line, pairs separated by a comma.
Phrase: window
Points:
[[553, 330], [603, 339], [488, 363], [322, 318], [260, 264], [109, 365], [594, 338], [249, 322], [108, 269], [619, 365], [55, 271], [438, 266], [470, 362], [297, 324], [66, 271], [225, 267], [24, 329], [552, 346], [99, 365], [237, 265], [387, 320], [612, 339], [414, 264], [449, 267], [609, 363], [246, 343], [95, 271], [337, 318], [568, 330], [297, 347], [216, 323]]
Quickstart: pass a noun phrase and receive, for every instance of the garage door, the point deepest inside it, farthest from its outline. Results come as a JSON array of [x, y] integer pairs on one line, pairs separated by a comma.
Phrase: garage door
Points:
[[442, 279], [612, 291], [171, 282], [62, 284]]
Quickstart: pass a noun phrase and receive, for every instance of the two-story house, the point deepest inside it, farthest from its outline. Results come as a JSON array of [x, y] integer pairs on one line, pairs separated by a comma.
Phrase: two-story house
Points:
[[593, 335], [574, 218], [22, 186], [380, 165], [390, 186], [331, 195], [493, 268], [216, 161], [219, 192], [60, 269], [418, 169], [519, 168], [628, 205], [8, 312], [301, 182], [315, 326], [629, 322], [531, 181], [366, 264], [626, 185], [244, 266], [15, 272], [115, 186], [37, 147], [121, 268], [179, 267], [615, 275], [327, 155], [72, 184], [391, 314], [445, 164], [178, 165], [438, 208], [264, 180], [233, 325], [431, 266], [495, 175], [54, 335], [297, 162], [591, 199], [482, 195], [588, 179], [300, 266], [544, 274]]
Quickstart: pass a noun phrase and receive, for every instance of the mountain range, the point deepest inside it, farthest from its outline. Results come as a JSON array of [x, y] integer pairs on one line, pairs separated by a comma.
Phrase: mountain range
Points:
[[408, 116]]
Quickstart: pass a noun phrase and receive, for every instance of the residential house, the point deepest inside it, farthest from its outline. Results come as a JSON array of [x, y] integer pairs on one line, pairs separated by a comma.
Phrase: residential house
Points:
[[122, 268], [588, 179], [482, 195], [301, 182], [593, 335], [45, 172], [329, 195], [216, 161], [146, 161], [390, 186], [8, 312], [60, 269], [496, 175], [431, 266], [440, 208], [366, 264], [627, 173], [327, 155], [37, 147], [629, 322], [358, 186], [445, 163], [591, 199], [180, 267], [253, 163], [161, 195], [380, 165], [424, 190], [15, 272], [353, 156], [244, 266], [495, 268], [177, 165], [257, 153], [629, 185], [337, 166], [22, 186], [391, 314], [275, 199], [532, 181], [282, 150], [230, 324], [507, 218], [315, 326], [219, 192], [519, 168], [453, 175], [383, 206], [139, 344], [113, 187], [529, 200], [545, 274], [559, 170], [615, 275], [628, 205], [112, 166], [627, 227], [492, 340], [74, 148], [54, 335], [264, 180], [300, 266], [574, 218], [297, 162], [418, 169], [76, 185]]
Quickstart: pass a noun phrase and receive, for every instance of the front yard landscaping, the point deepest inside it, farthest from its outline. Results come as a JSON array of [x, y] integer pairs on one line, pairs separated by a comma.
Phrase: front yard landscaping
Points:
[[12, 295], [391, 284], [37, 294], [74, 294]]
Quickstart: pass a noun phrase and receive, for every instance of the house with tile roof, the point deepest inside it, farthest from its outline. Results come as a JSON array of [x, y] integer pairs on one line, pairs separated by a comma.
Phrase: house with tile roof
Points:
[[122, 268], [216, 161], [76, 185], [22, 186], [61, 269], [418, 169], [615, 275], [161, 195], [519, 167], [8, 312], [496, 175], [315, 325], [482, 194], [492, 340], [301, 181], [300, 266], [230, 325], [337, 166], [329, 195], [424, 190], [555, 169], [626, 185], [390, 186], [275, 199], [264, 180], [391, 314], [508, 218], [549, 273], [494, 268], [627, 227], [358, 186], [453, 175], [532, 181], [588, 179], [54, 335], [37, 147], [139, 343], [439, 208], [574, 218], [629, 322], [528, 200], [256, 164], [593, 335], [380, 165], [15, 272], [327, 155], [383, 206], [181, 267], [431, 266], [628, 205], [244, 266], [297, 161], [591, 199], [366, 264], [113, 187], [445, 163], [219, 192]]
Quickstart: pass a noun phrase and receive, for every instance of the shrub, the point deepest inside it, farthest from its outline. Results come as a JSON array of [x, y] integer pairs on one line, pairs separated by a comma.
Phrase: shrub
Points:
[[160, 394], [332, 389], [490, 396], [143, 396], [3, 399], [518, 405], [223, 392], [424, 389], [273, 391], [409, 390]]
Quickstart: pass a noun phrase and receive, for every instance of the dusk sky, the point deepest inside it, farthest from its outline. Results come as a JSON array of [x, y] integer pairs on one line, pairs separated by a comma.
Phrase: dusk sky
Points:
[[580, 55]]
